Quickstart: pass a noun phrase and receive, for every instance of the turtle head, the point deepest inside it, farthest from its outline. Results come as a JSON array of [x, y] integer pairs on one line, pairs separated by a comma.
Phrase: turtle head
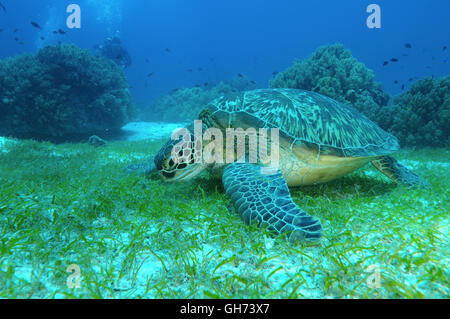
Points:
[[176, 160]]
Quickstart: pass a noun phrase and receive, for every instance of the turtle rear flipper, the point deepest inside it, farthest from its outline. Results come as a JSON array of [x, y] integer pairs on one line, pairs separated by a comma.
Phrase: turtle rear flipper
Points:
[[266, 199], [390, 167]]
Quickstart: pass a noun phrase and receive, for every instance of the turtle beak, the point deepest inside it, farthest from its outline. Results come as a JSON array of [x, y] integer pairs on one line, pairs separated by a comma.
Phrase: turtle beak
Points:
[[189, 172]]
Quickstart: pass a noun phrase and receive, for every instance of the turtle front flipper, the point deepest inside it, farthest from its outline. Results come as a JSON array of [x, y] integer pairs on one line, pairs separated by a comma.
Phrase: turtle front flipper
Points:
[[265, 198], [390, 167]]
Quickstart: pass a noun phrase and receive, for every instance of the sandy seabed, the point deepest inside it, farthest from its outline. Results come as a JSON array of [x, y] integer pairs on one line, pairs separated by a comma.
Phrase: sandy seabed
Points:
[[136, 131]]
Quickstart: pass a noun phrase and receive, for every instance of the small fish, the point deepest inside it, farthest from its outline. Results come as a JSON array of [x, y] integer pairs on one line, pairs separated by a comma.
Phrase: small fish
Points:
[[42, 38], [206, 84], [240, 75], [410, 79], [21, 43], [385, 63], [396, 82], [16, 39], [150, 74], [394, 60], [428, 67], [190, 70], [147, 60], [174, 90], [200, 69], [408, 45], [61, 31], [36, 25], [3, 7], [16, 30], [55, 32], [404, 54], [252, 82], [444, 48], [197, 85], [274, 72], [403, 86], [167, 50]]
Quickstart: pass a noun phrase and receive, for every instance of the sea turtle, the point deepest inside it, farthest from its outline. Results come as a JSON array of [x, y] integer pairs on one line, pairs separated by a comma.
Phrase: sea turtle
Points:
[[320, 140]]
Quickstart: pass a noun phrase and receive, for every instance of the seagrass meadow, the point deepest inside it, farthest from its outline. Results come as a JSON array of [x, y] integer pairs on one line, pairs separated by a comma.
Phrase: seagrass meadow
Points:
[[138, 237]]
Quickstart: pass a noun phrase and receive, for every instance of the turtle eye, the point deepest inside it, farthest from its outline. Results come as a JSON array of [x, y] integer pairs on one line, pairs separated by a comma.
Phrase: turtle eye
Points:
[[168, 165]]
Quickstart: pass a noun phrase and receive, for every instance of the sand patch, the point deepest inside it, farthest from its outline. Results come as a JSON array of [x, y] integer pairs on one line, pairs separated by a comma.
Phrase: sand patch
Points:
[[137, 131]]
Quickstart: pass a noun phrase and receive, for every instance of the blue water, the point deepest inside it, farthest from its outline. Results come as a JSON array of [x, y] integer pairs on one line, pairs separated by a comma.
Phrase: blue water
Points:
[[250, 37]]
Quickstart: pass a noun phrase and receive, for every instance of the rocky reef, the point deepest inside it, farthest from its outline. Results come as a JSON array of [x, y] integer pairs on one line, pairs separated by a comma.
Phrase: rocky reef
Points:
[[421, 116], [62, 93], [418, 117], [334, 72], [184, 104]]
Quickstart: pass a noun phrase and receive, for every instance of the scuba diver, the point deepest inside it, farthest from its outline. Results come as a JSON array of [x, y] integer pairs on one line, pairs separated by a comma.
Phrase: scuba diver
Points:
[[112, 49]]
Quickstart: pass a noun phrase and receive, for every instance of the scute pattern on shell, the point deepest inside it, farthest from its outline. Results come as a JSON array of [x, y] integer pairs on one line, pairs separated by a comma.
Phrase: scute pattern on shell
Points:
[[310, 117]]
